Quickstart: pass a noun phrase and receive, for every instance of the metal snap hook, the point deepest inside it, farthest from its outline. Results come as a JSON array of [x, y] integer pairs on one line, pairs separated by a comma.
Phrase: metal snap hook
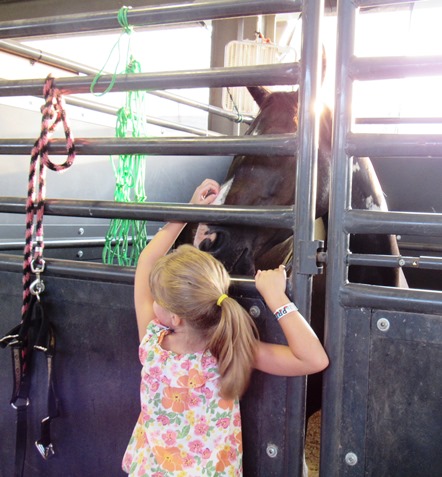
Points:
[[37, 287]]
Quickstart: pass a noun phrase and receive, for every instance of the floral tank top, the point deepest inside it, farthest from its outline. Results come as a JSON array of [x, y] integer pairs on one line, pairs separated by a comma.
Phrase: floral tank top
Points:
[[185, 429]]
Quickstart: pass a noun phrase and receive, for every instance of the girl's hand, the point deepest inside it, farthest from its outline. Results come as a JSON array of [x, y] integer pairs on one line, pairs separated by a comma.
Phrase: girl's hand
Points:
[[271, 282], [205, 193]]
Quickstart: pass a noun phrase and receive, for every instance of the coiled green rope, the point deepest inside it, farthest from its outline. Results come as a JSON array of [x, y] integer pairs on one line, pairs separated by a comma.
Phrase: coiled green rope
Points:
[[125, 239]]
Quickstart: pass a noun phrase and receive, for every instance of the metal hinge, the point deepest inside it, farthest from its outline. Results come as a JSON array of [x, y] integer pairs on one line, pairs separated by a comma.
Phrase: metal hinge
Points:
[[311, 257]]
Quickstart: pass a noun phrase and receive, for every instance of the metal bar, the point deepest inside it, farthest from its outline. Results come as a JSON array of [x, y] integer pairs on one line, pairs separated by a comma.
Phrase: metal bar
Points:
[[403, 223], [393, 67], [398, 120], [394, 145], [98, 271], [303, 218], [274, 145], [393, 261], [279, 217], [381, 3], [389, 298], [57, 243], [262, 75], [427, 247], [103, 108], [245, 118], [69, 65], [337, 245], [145, 16]]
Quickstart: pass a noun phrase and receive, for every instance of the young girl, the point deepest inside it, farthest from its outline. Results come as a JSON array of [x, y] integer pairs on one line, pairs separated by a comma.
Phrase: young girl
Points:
[[198, 347]]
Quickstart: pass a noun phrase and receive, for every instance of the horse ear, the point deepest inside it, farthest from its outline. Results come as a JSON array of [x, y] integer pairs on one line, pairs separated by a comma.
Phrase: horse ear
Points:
[[259, 94]]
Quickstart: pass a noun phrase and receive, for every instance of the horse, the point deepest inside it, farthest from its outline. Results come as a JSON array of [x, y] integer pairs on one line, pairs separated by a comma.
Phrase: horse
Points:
[[262, 180], [273, 178]]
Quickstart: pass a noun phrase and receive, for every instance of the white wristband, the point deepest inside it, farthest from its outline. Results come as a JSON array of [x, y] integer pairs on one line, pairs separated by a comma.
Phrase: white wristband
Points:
[[284, 310]]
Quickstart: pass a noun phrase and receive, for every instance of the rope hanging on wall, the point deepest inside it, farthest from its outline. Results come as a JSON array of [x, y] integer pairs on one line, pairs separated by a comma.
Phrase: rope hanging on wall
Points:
[[35, 332], [53, 112], [125, 238]]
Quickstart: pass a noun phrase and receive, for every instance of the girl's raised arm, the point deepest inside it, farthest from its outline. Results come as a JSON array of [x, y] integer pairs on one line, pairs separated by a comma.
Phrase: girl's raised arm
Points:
[[304, 353], [158, 247]]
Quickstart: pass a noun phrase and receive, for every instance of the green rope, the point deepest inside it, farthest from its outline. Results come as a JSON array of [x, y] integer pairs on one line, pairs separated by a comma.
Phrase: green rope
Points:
[[127, 30], [125, 239]]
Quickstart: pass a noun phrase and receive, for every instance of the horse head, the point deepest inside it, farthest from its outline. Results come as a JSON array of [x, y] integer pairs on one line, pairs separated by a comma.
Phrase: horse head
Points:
[[258, 180]]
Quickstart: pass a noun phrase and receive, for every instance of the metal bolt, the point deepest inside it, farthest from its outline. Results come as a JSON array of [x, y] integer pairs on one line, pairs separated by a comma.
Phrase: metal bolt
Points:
[[272, 450], [81, 231], [351, 458], [80, 254], [254, 311], [383, 324], [401, 262]]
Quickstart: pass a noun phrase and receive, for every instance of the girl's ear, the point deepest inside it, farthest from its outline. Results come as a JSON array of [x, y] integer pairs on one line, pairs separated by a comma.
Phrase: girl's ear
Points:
[[176, 320]]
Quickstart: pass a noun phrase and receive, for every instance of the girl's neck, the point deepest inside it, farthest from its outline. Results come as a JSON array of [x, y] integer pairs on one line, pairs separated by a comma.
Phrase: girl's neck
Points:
[[183, 341]]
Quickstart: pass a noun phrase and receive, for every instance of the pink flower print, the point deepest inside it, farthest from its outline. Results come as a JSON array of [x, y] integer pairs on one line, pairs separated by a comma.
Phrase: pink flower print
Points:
[[201, 428], [196, 447], [169, 437], [165, 380], [207, 392], [163, 419], [157, 474], [232, 454], [188, 461], [142, 353], [163, 356], [155, 372], [186, 365], [206, 453], [237, 420], [194, 400], [208, 361], [223, 422], [154, 386]]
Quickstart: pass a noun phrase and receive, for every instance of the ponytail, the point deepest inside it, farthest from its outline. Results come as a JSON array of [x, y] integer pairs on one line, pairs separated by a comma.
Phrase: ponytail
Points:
[[233, 344], [193, 285]]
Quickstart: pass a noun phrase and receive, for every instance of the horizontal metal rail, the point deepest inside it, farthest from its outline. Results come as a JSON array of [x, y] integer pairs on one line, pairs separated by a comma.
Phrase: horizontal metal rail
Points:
[[427, 247], [109, 273], [278, 217], [393, 261], [399, 120], [394, 67], [245, 118], [403, 223], [59, 243], [391, 298], [381, 3], [189, 11], [261, 75], [40, 56], [394, 145], [271, 144], [103, 108]]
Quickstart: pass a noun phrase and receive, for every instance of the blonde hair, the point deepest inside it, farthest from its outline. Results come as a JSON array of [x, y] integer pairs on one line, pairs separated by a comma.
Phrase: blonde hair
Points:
[[188, 283]]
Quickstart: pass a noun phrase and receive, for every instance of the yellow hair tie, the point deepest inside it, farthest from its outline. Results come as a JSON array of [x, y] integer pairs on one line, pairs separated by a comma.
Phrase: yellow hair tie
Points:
[[221, 299]]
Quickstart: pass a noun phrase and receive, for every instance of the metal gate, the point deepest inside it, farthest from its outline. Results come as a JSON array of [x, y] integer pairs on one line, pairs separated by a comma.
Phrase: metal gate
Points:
[[381, 411], [383, 391], [91, 303]]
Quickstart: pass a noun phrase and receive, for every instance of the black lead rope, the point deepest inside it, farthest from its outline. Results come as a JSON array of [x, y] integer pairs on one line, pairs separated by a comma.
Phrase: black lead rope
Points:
[[34, 333]]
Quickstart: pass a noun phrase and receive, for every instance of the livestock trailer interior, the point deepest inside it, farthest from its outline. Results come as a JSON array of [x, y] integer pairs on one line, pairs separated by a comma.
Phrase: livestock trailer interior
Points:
[[144, 138]]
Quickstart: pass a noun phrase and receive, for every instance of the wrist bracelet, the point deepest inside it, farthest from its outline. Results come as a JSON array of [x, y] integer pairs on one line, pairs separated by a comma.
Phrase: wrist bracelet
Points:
[[284, 310]]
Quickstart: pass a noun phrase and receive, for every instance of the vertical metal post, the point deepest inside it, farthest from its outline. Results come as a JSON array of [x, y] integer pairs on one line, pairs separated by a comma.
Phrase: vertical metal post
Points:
[[305, 200], [337, 245]]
